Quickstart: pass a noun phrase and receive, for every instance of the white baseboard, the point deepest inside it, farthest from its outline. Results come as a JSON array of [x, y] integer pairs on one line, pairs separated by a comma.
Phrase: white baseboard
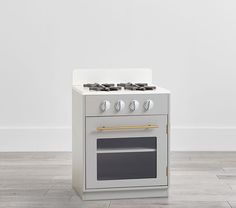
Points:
[[30, 139], [203, 139]]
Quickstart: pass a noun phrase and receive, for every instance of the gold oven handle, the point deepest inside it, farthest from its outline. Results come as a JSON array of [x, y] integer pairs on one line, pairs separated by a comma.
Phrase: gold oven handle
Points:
[[120, 128]]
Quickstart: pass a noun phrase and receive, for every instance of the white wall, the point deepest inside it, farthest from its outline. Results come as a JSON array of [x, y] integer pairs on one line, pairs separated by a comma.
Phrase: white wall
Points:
[[191, 46]]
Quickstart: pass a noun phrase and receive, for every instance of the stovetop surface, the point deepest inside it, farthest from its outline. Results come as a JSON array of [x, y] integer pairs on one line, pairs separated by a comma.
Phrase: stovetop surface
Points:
[[119, 88]]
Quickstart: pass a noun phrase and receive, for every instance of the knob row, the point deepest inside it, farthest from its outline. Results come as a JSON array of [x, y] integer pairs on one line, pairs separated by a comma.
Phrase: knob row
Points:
[[120, 105]]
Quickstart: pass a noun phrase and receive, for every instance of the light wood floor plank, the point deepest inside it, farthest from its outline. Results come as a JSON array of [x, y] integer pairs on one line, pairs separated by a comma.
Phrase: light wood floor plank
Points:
[[198, 179]]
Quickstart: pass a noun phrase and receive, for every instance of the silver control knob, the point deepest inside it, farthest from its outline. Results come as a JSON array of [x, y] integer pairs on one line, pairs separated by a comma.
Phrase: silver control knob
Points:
[[105, 105], [148, 104], [119, 105], [134, 104]]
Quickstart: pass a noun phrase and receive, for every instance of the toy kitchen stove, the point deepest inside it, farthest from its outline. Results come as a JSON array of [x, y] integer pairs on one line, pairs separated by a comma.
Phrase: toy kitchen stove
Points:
[[120, 134]]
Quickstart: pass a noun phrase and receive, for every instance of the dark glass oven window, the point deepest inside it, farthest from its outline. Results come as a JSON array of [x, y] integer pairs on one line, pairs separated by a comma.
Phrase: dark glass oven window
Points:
[[126, 158], [135, 165]]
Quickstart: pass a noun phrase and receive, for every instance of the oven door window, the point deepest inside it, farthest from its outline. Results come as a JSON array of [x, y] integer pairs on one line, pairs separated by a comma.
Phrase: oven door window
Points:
[[126, 158]]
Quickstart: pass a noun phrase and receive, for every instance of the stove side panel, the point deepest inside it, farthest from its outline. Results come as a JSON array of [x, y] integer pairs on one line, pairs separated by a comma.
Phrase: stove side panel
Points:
[[78, 142], [168, 138]]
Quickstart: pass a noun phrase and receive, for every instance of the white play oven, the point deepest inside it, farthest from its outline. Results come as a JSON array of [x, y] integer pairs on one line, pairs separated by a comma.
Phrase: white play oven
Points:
[[120, 136]]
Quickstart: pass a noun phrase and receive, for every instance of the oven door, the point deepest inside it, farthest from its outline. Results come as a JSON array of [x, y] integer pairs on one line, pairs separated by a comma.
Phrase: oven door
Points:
[[126, 151]]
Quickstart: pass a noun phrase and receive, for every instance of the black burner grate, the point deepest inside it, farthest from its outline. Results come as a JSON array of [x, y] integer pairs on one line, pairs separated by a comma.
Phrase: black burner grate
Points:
[[126, 86], [136, 86], [102, 87]]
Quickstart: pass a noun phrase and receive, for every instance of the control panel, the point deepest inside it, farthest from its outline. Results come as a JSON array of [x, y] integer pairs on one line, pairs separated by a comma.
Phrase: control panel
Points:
[[126, 105]]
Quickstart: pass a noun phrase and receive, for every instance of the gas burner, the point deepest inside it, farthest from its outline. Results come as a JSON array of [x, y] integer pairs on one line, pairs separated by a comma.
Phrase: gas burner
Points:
[[125, 84], [136, 86], [108, 85], [115, 88], [102, 87], [150, 87], [91, 85], [141, 84]]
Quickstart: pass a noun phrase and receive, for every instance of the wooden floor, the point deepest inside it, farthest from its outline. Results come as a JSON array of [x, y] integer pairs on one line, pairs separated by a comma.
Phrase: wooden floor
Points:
[[43, 180]]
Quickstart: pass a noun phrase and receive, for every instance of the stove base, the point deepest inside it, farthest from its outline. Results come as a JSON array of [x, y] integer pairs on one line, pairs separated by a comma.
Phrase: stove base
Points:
[[124, 193]]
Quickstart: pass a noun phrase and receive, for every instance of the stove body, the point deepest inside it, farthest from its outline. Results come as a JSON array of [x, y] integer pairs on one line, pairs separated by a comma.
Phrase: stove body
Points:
[[120, 135]]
